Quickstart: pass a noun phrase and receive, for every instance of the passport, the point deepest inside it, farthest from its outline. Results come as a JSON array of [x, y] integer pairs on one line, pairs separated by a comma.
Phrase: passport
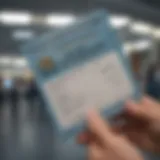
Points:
[[81, 67]]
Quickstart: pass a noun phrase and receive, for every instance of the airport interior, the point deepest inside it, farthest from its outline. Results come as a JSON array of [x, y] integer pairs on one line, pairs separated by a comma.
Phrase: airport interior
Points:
[[26, 130]]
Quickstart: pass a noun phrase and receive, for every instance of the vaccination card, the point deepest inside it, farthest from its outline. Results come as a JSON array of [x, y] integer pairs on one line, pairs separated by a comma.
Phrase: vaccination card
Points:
[[81, 67]]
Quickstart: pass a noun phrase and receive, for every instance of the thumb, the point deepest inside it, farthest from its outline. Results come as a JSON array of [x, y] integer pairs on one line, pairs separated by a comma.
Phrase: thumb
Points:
[[147, 109], [98, 127]]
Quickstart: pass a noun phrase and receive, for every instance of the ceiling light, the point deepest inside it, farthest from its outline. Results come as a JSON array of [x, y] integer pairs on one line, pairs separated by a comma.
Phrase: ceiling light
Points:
[[5, 60], [22, 34], [156, 33], [119, 21], [139, 45], [15, 18], [141, 28], [142, 44], [20, 62], [59, 20]]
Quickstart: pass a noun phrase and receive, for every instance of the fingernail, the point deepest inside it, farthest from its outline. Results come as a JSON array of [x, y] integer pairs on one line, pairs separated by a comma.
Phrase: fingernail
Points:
[[131, 106], [91, 113]]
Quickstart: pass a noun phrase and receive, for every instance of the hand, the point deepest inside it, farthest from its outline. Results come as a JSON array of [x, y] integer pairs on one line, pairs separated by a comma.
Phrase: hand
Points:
[[142, 125], [103, 144]]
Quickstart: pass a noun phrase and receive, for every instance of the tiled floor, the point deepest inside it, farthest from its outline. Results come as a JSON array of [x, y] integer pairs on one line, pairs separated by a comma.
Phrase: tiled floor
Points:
[[26, 133]]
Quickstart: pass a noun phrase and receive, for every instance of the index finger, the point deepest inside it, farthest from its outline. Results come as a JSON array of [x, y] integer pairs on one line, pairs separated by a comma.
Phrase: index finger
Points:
[[100, 128]]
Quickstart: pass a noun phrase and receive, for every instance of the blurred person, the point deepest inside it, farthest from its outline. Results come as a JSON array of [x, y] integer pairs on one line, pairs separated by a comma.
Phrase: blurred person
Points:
[[32, 92], [2, 96], [153, 81], [22, 87], [118, 142], [13, 95]]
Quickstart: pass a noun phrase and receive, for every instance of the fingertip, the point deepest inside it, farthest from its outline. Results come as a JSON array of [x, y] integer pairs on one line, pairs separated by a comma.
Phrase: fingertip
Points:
[[129, 103], [131, 106], [146, 100], [93, 117], [91, 114], [99, 127], [149, 101]]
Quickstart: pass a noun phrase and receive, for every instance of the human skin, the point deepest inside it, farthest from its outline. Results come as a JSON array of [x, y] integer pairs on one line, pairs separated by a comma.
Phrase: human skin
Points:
[[118, 142], [103, 144]]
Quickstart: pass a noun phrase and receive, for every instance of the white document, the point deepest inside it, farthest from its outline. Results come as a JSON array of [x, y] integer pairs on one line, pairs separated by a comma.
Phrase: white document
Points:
[[98, 84]]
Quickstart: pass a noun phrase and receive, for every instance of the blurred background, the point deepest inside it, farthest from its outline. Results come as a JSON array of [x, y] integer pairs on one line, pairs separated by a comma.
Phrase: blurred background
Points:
[[25, 127]]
